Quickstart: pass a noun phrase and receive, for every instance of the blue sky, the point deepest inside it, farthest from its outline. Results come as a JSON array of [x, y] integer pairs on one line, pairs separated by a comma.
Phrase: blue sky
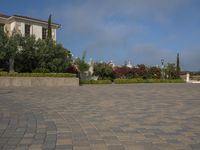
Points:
[[140, 31]]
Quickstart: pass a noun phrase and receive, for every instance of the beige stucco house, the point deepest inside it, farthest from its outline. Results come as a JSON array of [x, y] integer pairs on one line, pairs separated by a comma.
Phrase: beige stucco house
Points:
[[27, 26]]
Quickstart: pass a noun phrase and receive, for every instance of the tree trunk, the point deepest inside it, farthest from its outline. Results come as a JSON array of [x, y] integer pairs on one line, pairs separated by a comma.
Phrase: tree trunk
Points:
[[11, 65]]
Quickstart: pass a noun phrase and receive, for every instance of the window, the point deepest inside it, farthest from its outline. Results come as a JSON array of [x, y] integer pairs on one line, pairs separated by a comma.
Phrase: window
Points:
[[1, 27], [44, 33], [27, 30]]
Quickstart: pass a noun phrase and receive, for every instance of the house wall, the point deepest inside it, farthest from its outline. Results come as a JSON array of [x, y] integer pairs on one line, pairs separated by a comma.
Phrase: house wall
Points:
[[7, 28], [12, 27], [37, 31], [35, 28], [54, 34], [21, 28]]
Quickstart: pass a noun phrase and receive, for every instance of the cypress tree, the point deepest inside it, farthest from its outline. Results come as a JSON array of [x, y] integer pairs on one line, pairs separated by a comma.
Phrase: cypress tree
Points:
[[49, 28], [178, 69]]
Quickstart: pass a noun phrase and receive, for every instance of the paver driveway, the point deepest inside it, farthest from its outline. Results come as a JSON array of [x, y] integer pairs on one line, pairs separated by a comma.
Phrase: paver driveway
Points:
[[101, 117]]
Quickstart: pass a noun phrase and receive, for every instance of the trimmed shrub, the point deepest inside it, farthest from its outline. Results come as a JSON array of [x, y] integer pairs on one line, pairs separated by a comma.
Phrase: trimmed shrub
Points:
[[59, 75], [128, 81], [40, 70], [139, 80], [95, 82]]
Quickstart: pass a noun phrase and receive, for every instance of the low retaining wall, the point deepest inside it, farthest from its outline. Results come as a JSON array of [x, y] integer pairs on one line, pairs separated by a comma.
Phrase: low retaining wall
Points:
[[190, 81], [37, 81], [193, 81]]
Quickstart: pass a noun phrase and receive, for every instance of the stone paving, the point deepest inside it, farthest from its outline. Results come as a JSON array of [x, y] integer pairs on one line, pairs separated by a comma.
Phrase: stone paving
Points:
[[101, 117]]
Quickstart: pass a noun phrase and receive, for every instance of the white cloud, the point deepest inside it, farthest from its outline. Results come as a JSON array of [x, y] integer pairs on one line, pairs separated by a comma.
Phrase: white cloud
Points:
[[108, 29]]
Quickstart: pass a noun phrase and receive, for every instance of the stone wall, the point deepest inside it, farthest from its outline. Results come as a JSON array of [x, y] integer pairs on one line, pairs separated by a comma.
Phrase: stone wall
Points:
[[37, 81]]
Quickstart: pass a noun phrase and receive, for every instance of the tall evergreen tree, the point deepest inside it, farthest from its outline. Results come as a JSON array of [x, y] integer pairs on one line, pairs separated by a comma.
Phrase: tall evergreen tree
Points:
[[49, 28], [178, 69]]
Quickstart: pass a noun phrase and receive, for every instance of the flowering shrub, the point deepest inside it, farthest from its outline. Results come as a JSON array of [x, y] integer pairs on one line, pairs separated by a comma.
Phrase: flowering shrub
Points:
[[154, 72], [140, 71], [122, 72], [143, 71], [72, 69]]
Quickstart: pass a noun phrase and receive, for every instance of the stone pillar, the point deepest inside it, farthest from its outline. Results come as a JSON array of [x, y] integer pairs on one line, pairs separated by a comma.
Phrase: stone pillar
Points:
[[188, 77]]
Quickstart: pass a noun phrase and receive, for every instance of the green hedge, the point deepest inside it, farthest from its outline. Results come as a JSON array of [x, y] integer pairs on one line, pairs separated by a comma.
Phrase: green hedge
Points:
[[95, 82], [129, 81], [139, 80], [61, 75]]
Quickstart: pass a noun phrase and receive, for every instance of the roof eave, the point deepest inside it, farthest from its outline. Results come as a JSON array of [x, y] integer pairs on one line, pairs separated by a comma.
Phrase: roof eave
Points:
[[42, 22]]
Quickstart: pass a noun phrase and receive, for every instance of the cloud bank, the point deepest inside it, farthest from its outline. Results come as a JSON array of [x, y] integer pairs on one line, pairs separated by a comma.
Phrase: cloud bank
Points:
[[142, 31]]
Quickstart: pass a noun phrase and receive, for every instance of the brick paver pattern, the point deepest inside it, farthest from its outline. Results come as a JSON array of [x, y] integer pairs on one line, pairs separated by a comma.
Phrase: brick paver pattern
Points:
[[101, 117]]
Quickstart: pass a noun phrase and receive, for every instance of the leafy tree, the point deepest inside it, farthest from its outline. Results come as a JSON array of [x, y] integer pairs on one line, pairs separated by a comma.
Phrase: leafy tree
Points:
[[103, 70], [26, 58], [13, 48], [170, 71], [49, 28], [3, 46], [9, 47], [52, 56], [26, 54], [81, 64]]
